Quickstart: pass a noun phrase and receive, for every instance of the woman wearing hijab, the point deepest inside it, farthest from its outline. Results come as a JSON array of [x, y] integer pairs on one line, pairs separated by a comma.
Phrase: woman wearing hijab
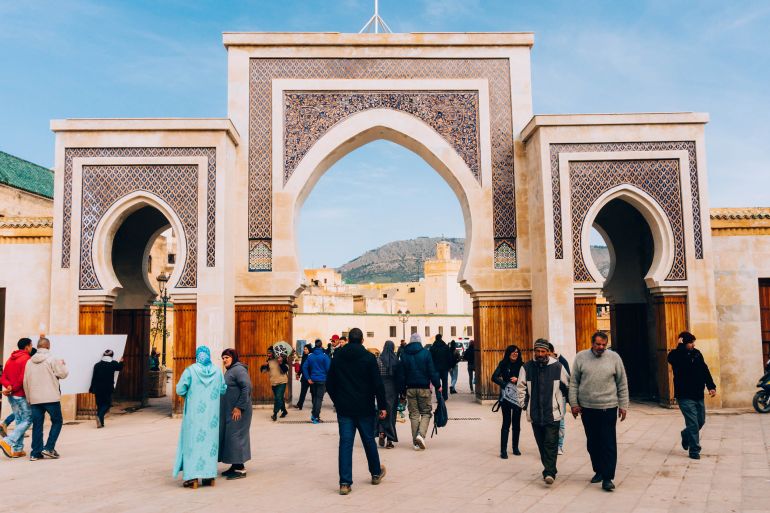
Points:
[[506, 375], [201, 385], [388, 363], [235, 416]]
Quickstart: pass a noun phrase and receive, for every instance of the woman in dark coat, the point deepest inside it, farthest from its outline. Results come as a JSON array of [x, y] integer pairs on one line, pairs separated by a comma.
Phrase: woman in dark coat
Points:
[[388, 363], [507, 373], [301, 377], [103, 384], [235, 416]]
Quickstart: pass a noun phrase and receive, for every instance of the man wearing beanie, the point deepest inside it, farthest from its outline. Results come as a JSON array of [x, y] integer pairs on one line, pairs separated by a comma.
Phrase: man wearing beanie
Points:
[[691, 376], [541, 387], [417, 373], [103, 384], [598, 392]]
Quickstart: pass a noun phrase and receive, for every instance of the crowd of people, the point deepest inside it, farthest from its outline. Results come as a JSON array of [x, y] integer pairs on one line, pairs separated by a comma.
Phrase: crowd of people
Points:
[[366, 391]]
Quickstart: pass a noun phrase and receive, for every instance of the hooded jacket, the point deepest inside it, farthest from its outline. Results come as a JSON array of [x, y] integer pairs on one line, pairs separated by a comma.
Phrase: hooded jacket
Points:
[[316, 367], [354, 382], [443, 359], [541, 388], [41, 378], [13, 372], [691, 374], [417, 369]]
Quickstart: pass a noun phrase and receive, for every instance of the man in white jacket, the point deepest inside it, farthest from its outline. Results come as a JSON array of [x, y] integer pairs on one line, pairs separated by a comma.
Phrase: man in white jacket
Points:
[[41, 386]]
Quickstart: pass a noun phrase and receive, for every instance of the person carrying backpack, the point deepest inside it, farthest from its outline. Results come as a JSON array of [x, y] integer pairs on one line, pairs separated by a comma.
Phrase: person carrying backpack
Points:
[[417, 373]]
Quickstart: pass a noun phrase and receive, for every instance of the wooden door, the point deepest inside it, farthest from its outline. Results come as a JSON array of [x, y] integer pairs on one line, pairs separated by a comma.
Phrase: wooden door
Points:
[[132, 381], [185, 325], [92, 320], [764, 317]]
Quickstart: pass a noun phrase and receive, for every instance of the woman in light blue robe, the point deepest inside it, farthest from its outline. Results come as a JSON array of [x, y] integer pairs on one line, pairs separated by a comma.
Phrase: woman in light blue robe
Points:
[[201, 385]]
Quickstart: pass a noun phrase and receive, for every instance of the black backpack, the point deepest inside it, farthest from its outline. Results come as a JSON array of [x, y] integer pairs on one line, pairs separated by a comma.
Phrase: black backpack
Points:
[[440, 416]]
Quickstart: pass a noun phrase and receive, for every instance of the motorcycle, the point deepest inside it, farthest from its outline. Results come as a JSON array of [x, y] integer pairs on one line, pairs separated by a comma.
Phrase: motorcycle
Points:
[[761, 400]]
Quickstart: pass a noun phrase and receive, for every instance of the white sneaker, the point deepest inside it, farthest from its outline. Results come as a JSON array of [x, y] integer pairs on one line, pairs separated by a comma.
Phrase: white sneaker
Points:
[[561, 451], [548, 480], [417, 447], [420, 441]]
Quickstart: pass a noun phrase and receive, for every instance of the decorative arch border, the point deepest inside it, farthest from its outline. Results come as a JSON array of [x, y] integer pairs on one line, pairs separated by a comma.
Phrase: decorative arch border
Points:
[[400, 128], [688, 146], [263, 71], [108, 225], [659, 179], [170, 186], [141, 152], [664, 239]]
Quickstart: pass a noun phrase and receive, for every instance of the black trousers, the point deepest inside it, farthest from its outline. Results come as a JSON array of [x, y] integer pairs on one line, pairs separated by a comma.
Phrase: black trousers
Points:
[[444, 376], [511, 423], [103, 405], [317, 391], [304, 386], [547, 438], [601, 440]]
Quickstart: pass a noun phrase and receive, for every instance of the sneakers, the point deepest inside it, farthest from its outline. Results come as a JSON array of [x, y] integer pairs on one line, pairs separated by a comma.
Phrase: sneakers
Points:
[[378, 478], [608, 485], [693, 455], [597, 478], [452, 390], [50, 454], [32, 457], [284, 413], [18, 454], [3, 430], [344, 489], [6, 447], [549, 480], [274, 416], [419, 441], [417, 447], [560, 452], [237, 474], [314, 420]]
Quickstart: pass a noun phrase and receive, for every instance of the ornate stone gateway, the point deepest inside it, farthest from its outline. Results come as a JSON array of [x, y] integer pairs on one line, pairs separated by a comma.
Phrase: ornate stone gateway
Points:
[[530, 190]]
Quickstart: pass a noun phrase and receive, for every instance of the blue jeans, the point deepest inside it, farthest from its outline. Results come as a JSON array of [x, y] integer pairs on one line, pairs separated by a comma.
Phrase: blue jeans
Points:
[[366, 426], [38, 417], [694, 413], [453, 375], [10, 418], [23, 416]]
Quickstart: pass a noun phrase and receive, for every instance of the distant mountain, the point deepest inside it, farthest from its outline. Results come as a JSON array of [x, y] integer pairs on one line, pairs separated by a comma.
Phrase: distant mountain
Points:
[[397, 261], [402, 260]]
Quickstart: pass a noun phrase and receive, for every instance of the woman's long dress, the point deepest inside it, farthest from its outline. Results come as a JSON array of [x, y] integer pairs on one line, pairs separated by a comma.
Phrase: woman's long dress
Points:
[[388, 424], [198, 448], [234, 443]]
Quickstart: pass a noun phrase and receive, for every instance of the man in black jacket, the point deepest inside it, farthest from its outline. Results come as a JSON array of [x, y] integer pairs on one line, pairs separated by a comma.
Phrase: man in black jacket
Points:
[[691, 376], [103, 384], [470, 356], [417, 373], [353, 383], [443, 359]]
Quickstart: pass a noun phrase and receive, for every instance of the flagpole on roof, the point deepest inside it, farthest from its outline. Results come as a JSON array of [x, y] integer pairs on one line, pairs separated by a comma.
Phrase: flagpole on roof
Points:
[[376, 22]]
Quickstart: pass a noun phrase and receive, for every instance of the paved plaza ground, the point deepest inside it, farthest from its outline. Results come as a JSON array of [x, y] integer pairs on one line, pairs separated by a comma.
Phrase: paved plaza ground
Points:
[[127, 467]]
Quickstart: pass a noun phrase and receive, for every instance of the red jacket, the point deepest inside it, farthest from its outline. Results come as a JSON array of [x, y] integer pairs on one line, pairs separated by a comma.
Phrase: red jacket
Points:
[[13, 372]]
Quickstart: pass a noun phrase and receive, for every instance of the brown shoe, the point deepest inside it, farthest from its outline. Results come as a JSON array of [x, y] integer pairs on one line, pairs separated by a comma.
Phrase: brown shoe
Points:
[[344, 489], [209, 482], [3, 429], [7, 449], [378, 478], [191, 483], [18, 454]]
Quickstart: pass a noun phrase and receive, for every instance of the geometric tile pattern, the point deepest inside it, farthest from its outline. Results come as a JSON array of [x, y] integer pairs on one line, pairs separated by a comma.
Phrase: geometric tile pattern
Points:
[[263, 71], [689, 146], [103, 186], [657, 177], [505, 254], [260, 255], [211, 182], [309, 115]]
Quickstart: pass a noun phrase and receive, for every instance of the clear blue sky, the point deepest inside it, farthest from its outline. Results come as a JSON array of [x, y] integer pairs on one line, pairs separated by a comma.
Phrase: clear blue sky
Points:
[[94, 58]]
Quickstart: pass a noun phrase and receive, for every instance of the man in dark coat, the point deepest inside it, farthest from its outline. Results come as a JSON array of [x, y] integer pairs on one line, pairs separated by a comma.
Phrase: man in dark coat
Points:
[[353, 383], [103, 384], [235, 416], [691, 376], [443, 359]]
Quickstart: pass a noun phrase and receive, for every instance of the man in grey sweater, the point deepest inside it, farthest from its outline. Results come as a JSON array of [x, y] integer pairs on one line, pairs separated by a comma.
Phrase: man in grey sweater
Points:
[[598, 392]]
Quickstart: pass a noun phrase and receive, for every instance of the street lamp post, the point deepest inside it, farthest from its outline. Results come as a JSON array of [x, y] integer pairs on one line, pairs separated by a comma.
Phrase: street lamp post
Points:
[[402, 318], [162, 281]]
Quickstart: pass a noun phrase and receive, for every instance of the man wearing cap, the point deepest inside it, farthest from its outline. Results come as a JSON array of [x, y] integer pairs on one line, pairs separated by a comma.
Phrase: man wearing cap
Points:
[[691, 377], [103, 384], [541, 386], [335, 342], [416, 374], [598, 392]]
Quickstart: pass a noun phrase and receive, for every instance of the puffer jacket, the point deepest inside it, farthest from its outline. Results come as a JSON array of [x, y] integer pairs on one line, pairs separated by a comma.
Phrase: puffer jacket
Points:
[[541, 388], [416, 369], [316, 366], [41, 378]]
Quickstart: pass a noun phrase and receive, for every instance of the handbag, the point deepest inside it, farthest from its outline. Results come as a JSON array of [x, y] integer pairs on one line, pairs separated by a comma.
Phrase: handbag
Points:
[[510, 395]]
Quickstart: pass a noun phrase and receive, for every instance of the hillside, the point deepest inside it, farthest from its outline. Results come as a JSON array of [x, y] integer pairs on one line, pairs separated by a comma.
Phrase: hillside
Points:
[[402, 260]]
